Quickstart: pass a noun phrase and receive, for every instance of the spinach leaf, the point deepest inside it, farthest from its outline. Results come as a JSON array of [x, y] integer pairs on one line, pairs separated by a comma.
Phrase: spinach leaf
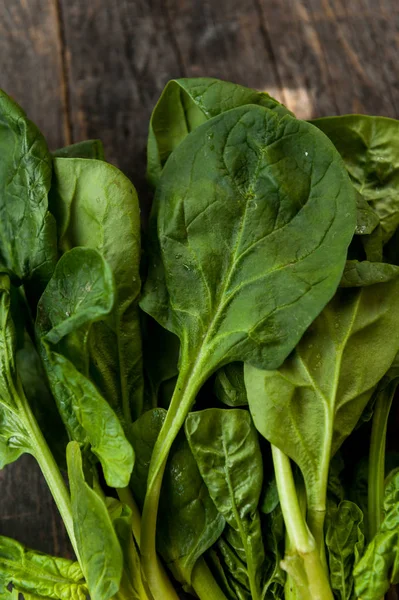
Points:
[[190, 523], [14, 436], [99, 549], [361, 273], [132, 584], [28, 247], [312, 403], [39, 574], [225, 273], [379, 567], [225, 446], [370, 149], [80, 292], [86, 149], [273, 535], [345, 545], [229, 386], [187, 103], [96, 206]]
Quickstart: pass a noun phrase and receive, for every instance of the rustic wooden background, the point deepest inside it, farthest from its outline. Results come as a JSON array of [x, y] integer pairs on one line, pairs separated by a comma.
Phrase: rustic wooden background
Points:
[[84, 69]]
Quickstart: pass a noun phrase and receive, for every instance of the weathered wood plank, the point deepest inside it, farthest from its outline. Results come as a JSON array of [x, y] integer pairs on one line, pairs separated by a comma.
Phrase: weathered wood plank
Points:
[[336, 56], [31, 72], [30, 63]]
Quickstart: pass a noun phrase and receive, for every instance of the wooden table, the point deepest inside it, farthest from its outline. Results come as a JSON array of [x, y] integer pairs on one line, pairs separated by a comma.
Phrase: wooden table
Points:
[[84, 69]]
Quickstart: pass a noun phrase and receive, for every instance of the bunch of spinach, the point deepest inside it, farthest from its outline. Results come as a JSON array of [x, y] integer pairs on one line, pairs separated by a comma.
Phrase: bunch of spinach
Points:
[[220, 430]]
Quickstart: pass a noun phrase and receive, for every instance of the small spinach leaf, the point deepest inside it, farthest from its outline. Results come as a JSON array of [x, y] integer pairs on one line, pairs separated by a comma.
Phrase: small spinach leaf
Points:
[[229, 386], [379, 567], [80, 292], [99, 548], [361, 273], [345, 545], [96, 206], [226, 449]]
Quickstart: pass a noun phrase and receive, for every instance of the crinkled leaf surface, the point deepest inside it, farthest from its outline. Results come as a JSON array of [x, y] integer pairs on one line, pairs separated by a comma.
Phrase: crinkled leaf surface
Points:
[[28, 247], [345, 545], [379, 567], [96, 206], [229, 385], [370, 149], [313, 402], [225, 446], [236, 201], [40, 574], [81, 292], [187, 103], [98, 544], [361, 273], [14, 438]]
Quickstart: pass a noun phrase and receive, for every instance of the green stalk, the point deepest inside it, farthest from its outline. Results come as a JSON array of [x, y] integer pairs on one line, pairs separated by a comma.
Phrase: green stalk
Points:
[[303, 562], [183, 398], [48, 465], [126, 496], [204, 583], [376, 475]]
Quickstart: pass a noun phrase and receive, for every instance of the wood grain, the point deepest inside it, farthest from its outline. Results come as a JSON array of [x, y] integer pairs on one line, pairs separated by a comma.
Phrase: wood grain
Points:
[[95, 69]]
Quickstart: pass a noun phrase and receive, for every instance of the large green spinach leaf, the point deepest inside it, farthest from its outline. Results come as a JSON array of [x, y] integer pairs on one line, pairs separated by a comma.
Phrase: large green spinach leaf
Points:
[[225, 446], [236, 200], [81, 292], [28, 247], [379, 567], [31, 572], [96, 206], [312, 403], [187, 103]]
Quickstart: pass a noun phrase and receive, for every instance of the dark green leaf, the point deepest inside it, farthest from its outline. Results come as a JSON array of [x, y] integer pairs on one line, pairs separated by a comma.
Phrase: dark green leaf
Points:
[[229, 385], [254, 302], [358, 274], [345, 544], [86, 149], [39, 574], [14, 438], [80, 292], [370, 149], [143, 435], [187, 103], [379, 567], [98, 545], [225, 447], [96, 206], [28, 248], [190, 522]]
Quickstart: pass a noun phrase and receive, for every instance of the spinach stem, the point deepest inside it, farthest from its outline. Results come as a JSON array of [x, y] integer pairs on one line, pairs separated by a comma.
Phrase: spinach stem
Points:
[[126, 496], [187, 386], [309, 569], [376, 474], [204, 583], [48, 466]]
